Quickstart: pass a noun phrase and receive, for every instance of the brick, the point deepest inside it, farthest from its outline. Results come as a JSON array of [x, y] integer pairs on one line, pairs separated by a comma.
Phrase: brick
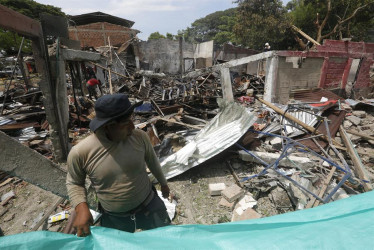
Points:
[[232, 193], [224, 203], [216, 188], [247, 214]]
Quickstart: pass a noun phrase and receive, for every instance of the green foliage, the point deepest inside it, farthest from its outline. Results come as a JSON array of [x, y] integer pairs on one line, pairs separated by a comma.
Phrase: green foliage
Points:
[[31, 8], [216, 26], [10, 41], [155, 35], [261, 21], [304, 15], [170, 36]]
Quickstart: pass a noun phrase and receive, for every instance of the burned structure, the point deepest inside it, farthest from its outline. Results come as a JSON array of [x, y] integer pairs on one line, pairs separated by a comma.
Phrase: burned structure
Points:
[[286, 130]]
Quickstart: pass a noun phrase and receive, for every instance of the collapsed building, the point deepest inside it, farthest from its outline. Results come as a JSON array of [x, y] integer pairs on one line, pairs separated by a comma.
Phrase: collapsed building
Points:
[[293, 128]]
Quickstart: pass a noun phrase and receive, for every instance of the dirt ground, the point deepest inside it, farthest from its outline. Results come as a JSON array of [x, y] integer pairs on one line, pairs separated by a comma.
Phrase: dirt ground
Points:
[[195, 204], [30, 203]]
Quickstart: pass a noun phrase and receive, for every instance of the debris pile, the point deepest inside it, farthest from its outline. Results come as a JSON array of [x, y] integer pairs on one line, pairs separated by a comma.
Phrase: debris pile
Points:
[[315, 149]]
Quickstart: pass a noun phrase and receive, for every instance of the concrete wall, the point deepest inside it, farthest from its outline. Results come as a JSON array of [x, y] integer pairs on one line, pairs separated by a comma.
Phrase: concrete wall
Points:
[[27, 164], [164, 54], [291, 77], [96, 34]]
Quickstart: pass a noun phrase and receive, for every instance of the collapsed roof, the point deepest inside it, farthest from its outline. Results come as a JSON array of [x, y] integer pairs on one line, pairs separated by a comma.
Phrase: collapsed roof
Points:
[[95, 17]]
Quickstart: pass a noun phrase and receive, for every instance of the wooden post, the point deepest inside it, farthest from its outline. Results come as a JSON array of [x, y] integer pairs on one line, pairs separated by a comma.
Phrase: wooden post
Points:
[[305, 35], [359, 168], [110, 66], [294, 119], [181, 61]]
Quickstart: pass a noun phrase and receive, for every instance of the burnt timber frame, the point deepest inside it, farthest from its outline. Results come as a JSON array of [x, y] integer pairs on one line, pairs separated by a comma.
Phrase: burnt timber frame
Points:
[[32, 29]]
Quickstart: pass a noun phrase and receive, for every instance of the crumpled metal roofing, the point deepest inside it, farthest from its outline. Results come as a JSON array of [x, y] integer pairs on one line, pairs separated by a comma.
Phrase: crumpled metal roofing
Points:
[[221, 132]]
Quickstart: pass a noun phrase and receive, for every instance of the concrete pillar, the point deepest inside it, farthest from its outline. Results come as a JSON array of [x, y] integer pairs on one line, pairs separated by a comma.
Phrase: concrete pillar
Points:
[[226, 85], [271, 78]]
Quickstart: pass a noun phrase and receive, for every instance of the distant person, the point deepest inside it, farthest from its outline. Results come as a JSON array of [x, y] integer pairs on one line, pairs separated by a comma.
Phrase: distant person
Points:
[[90, 72], [267, 47], [91, 86]]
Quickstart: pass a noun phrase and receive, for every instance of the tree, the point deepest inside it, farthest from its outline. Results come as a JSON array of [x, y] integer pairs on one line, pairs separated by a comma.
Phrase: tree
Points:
[[333, 19], [155, 35], [10, 41], [216, 26], [261, 21], [170, 36]]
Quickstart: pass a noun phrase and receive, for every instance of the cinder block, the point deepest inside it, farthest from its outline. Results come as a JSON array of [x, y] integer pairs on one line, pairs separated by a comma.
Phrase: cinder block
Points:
[[224, 203], [232, 193], [216, 188]]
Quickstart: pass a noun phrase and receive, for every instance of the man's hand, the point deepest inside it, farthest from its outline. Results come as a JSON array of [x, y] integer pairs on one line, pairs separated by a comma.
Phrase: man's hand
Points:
[[83, 220], [165, 190]]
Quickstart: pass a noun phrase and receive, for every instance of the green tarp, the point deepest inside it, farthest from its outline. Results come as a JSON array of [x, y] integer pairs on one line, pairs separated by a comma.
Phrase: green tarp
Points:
[[344, 224]]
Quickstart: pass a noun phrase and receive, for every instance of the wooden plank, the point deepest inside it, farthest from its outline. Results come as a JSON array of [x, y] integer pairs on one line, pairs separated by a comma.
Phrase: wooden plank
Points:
[[107, 69], [48, 213], [359, 167], [294, 119], [6, 182], [366, 137], [21, 24], [313, 201], [305, 35], [181, 123], [17, 126]]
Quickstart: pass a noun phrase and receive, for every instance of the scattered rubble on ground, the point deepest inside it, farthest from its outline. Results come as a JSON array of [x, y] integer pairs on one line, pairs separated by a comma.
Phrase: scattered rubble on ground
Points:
[[228, 156]]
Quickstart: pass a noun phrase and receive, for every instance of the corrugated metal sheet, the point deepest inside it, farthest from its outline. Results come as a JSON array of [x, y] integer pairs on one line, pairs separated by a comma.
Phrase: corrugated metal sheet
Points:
[[221, 132], [4, 121], [315, 95]]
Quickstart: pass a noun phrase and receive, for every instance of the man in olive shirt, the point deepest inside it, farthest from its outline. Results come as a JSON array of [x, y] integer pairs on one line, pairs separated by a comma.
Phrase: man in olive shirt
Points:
[[115, 159]]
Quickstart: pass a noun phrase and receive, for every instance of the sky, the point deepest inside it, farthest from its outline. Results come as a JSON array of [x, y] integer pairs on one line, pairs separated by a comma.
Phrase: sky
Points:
[[149, 15]]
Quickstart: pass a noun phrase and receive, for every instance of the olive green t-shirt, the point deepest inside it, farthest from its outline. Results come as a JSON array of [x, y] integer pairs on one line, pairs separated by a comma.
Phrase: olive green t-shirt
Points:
[[117, 170]]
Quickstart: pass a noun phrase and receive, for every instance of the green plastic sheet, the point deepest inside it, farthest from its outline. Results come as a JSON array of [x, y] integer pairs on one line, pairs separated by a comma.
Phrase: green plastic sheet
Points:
[[344, 224]]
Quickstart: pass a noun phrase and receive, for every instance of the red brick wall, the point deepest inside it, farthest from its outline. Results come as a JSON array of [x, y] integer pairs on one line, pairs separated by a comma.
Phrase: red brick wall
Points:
[[336, 67], [334, 74], [96, 34]]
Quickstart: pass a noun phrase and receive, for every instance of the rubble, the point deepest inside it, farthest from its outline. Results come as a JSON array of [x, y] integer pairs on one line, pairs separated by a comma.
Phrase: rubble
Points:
[[216, 188], [216, 132], [232, 193]]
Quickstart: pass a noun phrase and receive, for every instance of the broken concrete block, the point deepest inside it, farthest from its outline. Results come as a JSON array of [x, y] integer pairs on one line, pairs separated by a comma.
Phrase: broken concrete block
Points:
[[347, 124], [247, 214], [9, 217], [224, 203], [367, 129], [359, 113], [8, 195], [354, 138], [346, 106], [247, 201], [354, 119], [232, 193], [338, 140], [302, 162], [216, 188], [275, 141], [325, 164]]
